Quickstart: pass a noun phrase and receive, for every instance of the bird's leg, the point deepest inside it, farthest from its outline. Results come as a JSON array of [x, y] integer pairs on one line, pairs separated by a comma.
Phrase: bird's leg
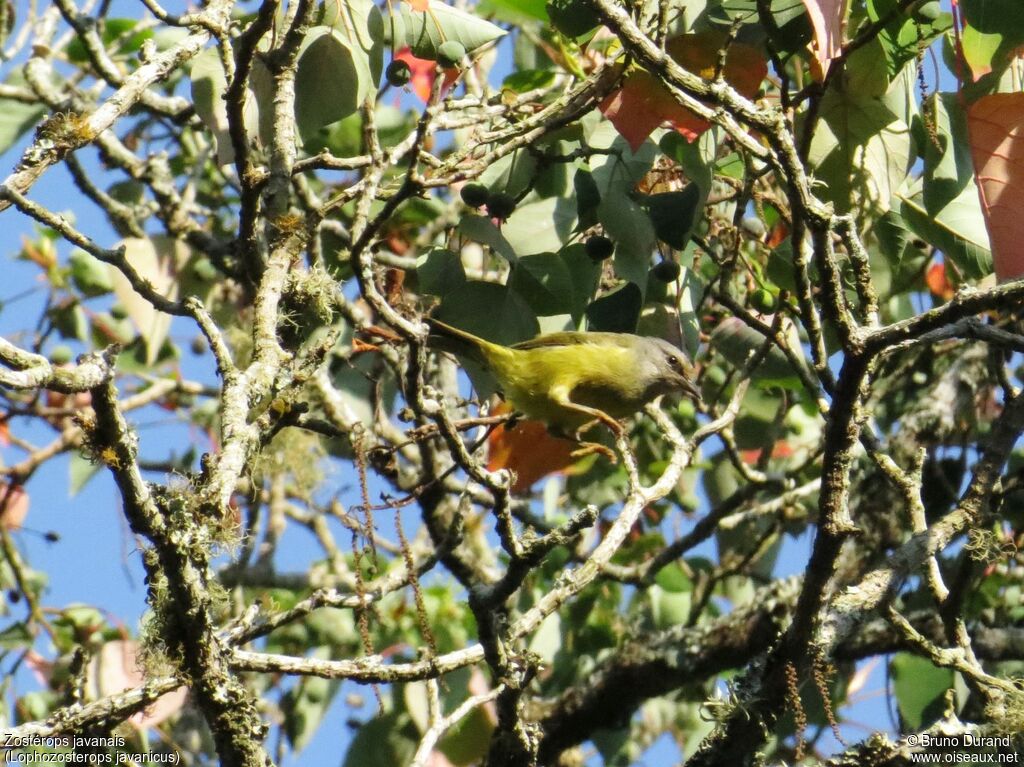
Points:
[[589, 448], [595, 414], [561, 396], [514, 419], [578, 434], [585, 448]]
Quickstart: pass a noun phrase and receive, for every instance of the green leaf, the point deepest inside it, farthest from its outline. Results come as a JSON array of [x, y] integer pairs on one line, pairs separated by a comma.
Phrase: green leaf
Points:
[[588, 198], [426, 30], [866, 72], [107, 329], [626, 222], [902, 260], [512, 174], [739, 540], [618, 311], [209, 84], [554, 179], [440, 271], [616, 747], [16, 637], [993, 31], [901, 38], [669, 608], [573, 18], [16, 119], [794, 29], [948, 168], [539, 227], [673, 578], [468, 741], [514, 10], [481, 229], [862, 151], [674, 214], [305, 704], [695, 158], [584, 275], [731, 165], [111, 31], [129, 192], [70, 321], [89, 274], [327, 56], [544, 282], [619, 166], [920, 689], [156, 260], [737, 341], [981, 49], [362, 24], [528, 79], [81, 470], [999, 26], [958, 230], [616, 174], [259, 114], [783, 11], [81, 617], [490, 311], [547, 639], [383, 742], [1003, 16]]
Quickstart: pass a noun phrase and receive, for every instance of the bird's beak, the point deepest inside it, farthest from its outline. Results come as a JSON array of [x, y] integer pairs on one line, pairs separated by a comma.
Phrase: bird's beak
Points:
[[689, 389]]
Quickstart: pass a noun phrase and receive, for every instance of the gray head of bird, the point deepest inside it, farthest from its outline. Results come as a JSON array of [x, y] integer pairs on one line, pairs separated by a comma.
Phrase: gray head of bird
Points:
[[665, 369]]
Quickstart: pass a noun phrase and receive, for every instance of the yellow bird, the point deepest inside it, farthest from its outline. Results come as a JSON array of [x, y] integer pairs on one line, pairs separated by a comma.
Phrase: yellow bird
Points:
[[570, 379]]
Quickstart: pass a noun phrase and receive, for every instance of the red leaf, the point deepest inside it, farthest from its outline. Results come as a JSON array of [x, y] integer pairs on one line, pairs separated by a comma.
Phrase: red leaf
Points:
[[781, 449], [529, 450], [643, 103], [420, 5], [996, 126], [745, 65], [13, 506], [116, 668], [424, 72], [778, 234], [938, 283], [827, 21]]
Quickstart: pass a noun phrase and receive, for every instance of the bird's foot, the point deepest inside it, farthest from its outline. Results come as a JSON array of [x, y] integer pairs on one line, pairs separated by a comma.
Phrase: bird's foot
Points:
[[589, 448], [616, 428]]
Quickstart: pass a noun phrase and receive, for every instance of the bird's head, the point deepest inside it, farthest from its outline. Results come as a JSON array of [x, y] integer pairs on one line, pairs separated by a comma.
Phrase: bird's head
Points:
[[666, 369]]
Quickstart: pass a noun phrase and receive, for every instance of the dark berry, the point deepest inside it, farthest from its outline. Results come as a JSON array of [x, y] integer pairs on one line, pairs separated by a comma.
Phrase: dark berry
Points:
[[599, 247], [666, 271], [474, 195], [500, 205], [398, 73]]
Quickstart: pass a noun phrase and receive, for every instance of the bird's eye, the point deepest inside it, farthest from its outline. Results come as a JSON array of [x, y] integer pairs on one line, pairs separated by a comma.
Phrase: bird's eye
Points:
[[675, 363]]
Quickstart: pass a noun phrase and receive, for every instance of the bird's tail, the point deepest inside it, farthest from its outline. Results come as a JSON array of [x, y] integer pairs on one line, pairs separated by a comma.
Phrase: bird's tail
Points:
[[463, 343]]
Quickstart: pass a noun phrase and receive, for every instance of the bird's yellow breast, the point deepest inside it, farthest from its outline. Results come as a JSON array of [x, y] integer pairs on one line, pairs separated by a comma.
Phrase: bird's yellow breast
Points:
[[537, 381]]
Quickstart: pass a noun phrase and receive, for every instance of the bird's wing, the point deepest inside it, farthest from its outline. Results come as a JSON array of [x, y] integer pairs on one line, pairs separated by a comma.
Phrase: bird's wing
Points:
[[563, 338], [573, 338]]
